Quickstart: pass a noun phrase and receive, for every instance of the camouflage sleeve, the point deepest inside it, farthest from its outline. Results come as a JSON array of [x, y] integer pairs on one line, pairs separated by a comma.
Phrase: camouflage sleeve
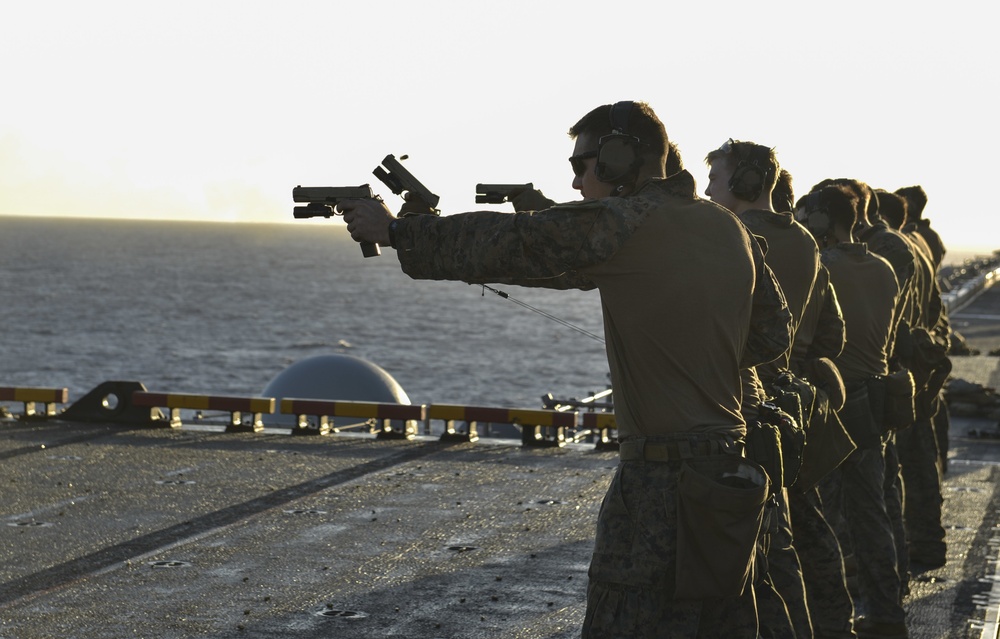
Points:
[[541, 248], [770, 320], [830, 335]]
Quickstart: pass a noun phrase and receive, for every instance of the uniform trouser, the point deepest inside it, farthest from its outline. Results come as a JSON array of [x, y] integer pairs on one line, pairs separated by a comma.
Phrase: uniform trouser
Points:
[[785, 570], [773, 618], [830, 606], [863, 503], [772, 613], [632, 594], [918, 455], [942, 428], [894, 490]]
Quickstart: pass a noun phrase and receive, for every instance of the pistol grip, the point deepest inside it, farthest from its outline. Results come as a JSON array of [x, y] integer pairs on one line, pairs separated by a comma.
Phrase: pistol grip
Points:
[[370, 249]]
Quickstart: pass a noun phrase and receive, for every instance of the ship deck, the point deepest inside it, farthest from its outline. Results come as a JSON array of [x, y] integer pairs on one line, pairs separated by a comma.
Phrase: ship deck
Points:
[[115, 531]]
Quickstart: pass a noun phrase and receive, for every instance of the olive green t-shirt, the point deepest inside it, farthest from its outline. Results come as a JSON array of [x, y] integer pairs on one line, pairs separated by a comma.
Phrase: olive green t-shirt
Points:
[[867, 291]]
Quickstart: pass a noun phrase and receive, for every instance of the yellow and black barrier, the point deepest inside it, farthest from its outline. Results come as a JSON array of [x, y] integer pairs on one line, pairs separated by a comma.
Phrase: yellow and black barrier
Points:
[[539, 427], [130, 402], [373, 412], [50, 398], [604, 427], [235, 406]]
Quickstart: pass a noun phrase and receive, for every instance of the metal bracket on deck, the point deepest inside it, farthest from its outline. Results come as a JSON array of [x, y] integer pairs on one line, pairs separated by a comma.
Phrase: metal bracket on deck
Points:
[[111, 402]]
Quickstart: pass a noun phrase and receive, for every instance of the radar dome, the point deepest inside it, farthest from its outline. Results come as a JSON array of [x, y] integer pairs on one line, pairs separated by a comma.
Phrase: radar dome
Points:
[[342, 377]]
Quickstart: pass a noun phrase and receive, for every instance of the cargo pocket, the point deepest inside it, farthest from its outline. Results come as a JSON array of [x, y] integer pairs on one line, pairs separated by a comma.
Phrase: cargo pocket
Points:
[[720, 508]]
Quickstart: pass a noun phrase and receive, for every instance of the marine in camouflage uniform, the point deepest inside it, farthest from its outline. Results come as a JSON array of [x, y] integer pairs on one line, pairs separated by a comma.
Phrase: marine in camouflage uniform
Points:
[[925, 356], [868, 293], [820, 335], [892, 246], [687, 302], [793, 257]]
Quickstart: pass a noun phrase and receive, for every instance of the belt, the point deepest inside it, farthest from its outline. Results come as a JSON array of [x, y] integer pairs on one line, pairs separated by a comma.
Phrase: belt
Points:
[[671, 450]]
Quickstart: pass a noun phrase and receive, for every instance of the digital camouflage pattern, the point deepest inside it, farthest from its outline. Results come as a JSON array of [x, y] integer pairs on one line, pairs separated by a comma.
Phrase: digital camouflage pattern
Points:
[[862, 502], [831, 608], [633, 591], [784, 571]]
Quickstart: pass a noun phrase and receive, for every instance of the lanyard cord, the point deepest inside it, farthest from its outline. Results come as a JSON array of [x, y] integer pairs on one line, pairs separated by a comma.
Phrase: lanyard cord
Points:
[[543, 313]]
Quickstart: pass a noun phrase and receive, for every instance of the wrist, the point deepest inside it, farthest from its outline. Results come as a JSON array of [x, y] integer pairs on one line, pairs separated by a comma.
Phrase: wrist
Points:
[[392, 232]]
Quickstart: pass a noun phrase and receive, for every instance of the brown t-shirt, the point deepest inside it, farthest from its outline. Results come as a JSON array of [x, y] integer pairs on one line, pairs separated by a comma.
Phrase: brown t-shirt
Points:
[[867, 291], [793, 256], [677, 302]]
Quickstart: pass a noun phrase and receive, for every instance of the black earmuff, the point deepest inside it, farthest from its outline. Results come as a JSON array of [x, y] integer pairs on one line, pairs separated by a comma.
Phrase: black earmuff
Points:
[[750, 175], [817, 219], [818, 223], [618, 154]]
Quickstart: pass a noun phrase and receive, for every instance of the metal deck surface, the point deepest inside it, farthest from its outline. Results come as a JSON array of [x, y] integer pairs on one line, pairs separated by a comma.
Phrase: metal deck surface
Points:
[[118, 532]]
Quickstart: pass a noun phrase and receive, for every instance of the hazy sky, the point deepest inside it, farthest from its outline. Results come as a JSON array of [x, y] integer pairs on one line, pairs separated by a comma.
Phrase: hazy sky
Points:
[[214, 110]]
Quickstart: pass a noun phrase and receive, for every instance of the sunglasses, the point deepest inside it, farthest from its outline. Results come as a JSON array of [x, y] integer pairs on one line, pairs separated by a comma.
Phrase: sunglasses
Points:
[[576, 162]]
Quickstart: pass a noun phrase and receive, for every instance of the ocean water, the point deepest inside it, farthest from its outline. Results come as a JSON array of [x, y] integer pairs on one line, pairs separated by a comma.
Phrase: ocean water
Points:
[[223, 308]]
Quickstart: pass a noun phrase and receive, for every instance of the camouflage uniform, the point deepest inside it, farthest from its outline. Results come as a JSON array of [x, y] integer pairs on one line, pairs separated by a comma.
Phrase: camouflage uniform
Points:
[[831, 609], [793, 256], [919, 445], [680, 323], [899, 252], [893, 489], [868, 293], [633, 591], [830, 606]]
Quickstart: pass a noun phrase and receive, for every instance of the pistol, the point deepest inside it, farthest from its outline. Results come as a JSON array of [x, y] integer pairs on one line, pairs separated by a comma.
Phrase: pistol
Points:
[[398, 179], [499, 193], [321, 200]]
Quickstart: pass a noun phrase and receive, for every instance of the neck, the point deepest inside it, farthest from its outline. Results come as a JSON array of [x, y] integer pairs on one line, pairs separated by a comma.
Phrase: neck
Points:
[[842, 235], [762, 203]]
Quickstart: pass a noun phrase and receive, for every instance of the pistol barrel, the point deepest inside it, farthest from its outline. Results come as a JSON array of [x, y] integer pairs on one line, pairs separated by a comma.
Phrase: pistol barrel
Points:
[[499, 193], [331, 194]]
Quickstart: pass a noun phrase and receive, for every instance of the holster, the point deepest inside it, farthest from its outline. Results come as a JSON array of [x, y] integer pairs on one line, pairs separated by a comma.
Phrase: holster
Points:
[[827, 446], [763, 446], [899, 410], [857, 415]]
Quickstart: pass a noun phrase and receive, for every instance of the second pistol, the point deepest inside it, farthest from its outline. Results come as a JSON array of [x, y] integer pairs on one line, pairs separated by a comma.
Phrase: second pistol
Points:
[[499, 193], [320, 202]]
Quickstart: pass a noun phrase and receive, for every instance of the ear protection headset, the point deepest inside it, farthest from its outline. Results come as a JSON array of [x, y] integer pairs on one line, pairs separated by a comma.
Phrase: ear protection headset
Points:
[[618, 154], [817, 219], [751, 173]]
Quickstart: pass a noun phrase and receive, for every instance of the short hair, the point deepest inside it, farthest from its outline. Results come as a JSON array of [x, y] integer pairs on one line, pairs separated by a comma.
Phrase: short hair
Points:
[[674, 162], [642, 123], [916, 200], [838, 201], [783, 195], [892, 208], [863, 195], [736, 151]]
